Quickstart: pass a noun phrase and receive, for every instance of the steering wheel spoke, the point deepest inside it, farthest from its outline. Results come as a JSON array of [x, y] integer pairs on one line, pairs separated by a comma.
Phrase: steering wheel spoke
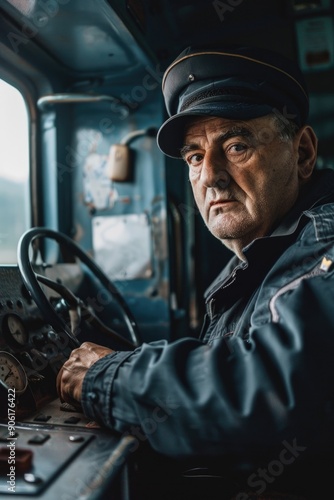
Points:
[[78, 311]]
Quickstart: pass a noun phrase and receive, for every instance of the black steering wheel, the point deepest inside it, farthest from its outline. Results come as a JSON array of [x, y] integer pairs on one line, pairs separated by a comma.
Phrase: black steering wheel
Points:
[[32, 280]]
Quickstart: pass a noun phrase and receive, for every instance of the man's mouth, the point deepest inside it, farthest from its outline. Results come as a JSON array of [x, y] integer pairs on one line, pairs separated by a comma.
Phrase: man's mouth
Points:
[[221, 203]]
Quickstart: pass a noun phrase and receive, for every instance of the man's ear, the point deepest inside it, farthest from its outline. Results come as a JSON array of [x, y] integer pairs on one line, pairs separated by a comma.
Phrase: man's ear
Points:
[[307, 151]]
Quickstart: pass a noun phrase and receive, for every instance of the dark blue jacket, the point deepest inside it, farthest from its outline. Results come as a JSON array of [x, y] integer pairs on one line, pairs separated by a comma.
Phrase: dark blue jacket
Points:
[[261, 378]]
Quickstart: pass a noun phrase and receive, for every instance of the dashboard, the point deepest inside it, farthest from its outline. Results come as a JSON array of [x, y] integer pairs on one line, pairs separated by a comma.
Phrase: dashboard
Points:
[[48, 449], [31, 351]]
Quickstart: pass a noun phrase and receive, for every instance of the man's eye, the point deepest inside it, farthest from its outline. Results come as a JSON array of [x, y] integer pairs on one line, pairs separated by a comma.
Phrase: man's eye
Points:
[[236, 149], [194, 160]]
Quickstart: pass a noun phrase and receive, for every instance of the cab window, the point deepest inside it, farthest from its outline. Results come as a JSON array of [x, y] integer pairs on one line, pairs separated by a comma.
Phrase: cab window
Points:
[[14, 171]]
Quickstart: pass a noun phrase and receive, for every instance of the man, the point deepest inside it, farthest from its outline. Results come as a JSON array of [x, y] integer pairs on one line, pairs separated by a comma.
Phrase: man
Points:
[[254, 395]]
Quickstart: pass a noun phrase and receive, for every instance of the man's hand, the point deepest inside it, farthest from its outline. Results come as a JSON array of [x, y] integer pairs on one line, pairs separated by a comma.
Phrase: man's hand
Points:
[[71, 375]]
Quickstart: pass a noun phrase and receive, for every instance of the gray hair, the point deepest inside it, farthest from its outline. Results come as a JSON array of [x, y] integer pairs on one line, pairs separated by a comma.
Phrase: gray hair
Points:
[[287, 129]]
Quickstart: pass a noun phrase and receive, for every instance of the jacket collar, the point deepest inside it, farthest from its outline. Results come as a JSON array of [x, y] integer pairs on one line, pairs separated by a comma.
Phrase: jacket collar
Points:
[[318, 191]]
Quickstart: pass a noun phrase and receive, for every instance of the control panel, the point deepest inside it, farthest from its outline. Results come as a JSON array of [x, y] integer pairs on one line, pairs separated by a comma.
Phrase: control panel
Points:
[[48, 449]]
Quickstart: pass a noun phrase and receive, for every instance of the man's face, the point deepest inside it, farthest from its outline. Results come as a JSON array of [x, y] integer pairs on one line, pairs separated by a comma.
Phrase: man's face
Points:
[[243, 175]]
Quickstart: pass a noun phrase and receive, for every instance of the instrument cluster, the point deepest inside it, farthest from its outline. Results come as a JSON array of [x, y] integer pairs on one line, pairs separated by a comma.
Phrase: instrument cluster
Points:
[[31, 351]]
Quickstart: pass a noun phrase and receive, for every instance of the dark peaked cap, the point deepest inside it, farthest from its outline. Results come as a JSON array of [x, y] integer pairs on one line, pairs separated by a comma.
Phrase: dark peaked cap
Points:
[[238, 83]]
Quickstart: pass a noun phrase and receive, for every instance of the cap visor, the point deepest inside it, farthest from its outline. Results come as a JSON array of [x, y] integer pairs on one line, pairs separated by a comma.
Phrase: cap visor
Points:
[[170, 137]]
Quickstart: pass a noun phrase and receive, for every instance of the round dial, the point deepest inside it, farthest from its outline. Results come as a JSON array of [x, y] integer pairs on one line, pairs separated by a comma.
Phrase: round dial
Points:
[[12, 373], [16, 329]]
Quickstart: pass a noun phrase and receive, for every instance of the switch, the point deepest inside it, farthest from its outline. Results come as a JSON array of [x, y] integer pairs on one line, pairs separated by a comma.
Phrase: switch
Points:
[[42, 418], [39, 439], [72, 420]]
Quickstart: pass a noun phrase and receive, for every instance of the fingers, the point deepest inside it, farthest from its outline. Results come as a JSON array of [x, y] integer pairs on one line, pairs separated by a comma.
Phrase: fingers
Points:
[[70, 377], [64, 389], [58, 383]]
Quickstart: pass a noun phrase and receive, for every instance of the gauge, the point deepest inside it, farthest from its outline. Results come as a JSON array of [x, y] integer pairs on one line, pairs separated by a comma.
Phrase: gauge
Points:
[[12, 373], [16, 329]]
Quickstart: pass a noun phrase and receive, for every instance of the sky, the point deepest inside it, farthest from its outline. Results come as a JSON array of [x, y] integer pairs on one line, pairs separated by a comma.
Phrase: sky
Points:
[[14, 130]]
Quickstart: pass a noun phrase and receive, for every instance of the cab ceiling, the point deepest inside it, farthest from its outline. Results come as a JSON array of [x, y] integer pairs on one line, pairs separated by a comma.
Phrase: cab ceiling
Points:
[[93, 36], [116, 38]]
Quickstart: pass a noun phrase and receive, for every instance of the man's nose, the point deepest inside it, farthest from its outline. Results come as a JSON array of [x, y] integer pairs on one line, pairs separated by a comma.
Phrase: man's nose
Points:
[[214, 170]]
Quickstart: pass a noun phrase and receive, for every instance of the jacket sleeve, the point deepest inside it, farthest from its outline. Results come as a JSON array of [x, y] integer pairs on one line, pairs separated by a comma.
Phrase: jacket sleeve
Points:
[[228, 397]]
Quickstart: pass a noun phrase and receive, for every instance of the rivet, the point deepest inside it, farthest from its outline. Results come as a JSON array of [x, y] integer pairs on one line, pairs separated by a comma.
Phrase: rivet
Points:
[[76, 439], [31, 478], [191, 77]]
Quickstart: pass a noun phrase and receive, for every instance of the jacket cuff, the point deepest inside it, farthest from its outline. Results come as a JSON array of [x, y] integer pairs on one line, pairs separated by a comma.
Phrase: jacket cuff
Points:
[[97, 387]]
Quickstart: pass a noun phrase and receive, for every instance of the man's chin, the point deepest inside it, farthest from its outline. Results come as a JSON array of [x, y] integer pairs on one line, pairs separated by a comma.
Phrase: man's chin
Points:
[[222, 230]]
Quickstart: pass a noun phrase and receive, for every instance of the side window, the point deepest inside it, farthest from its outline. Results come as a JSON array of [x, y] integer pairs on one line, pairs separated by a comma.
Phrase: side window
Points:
[[14, 171]]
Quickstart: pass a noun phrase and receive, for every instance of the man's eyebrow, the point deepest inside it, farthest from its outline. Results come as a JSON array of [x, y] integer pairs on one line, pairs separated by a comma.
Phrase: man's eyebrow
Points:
[[187, 148], [233, 132]]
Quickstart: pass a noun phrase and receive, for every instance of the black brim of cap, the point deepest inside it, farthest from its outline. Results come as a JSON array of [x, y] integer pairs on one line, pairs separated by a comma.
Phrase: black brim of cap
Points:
[[170, 137]]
